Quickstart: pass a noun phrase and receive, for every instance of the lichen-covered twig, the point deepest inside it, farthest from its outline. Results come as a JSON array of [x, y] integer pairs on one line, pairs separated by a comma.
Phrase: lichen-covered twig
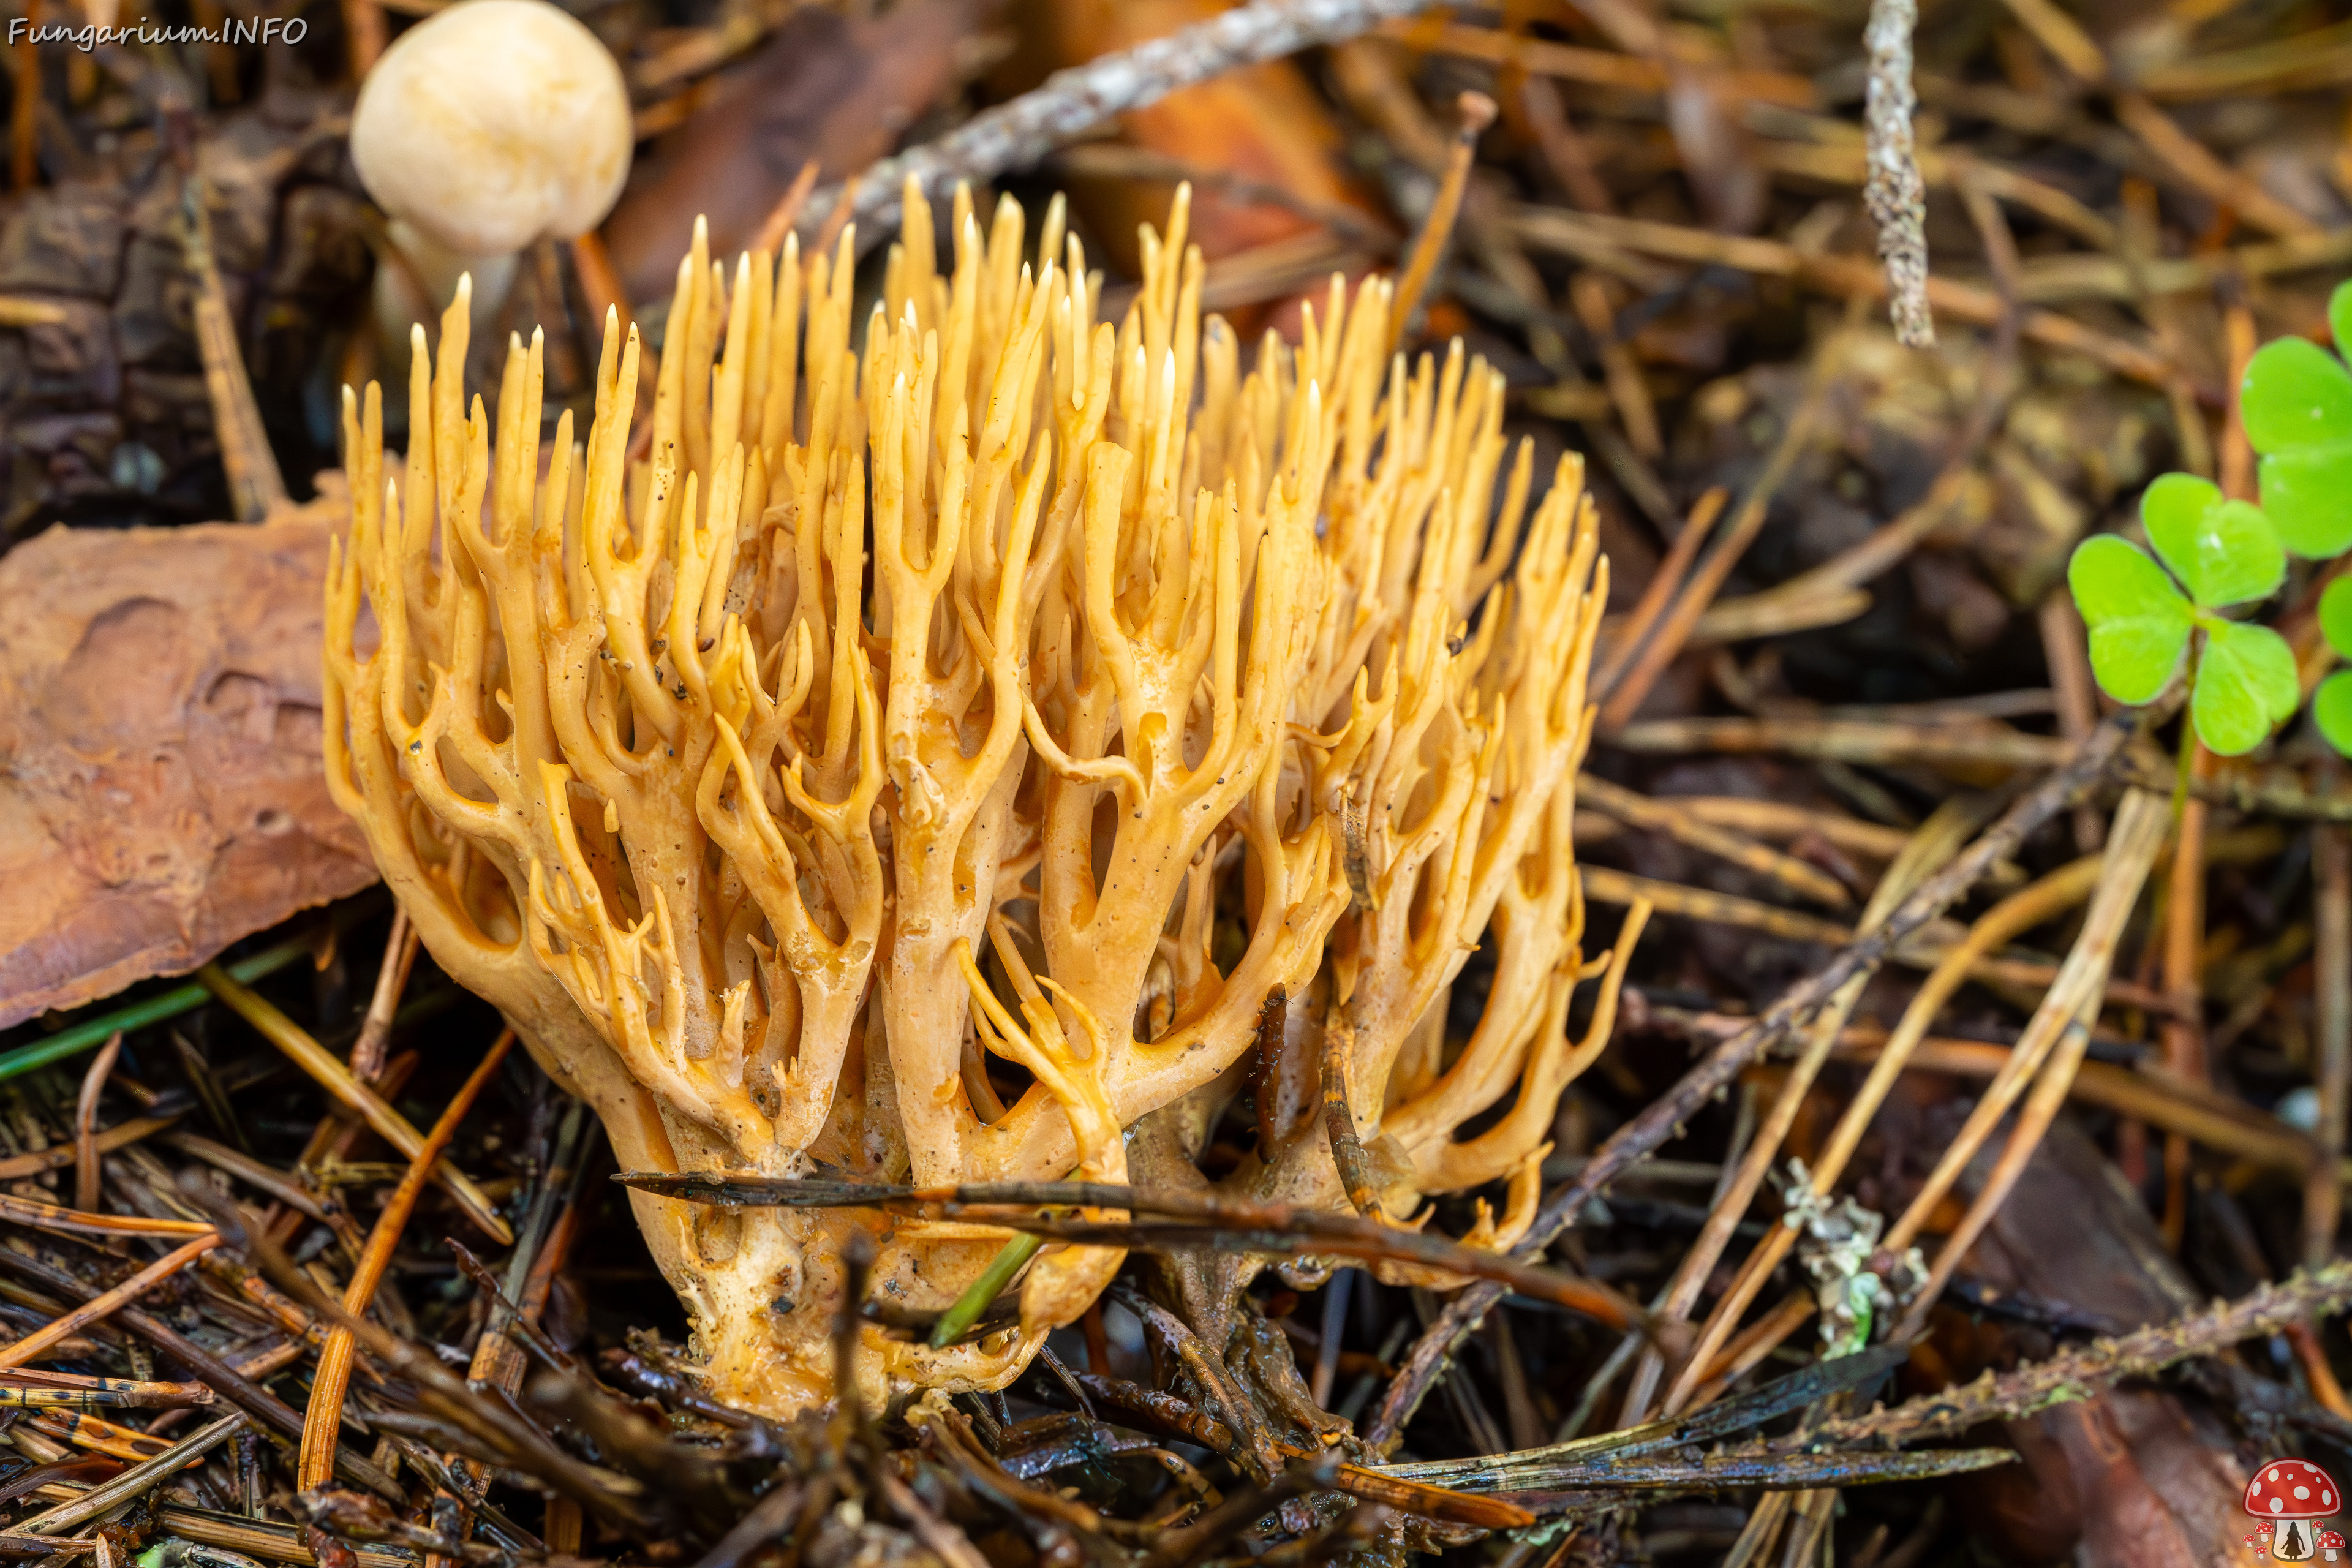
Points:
[[1895, 194], [1074, 102], [2080, 1373], [1542, 1486]]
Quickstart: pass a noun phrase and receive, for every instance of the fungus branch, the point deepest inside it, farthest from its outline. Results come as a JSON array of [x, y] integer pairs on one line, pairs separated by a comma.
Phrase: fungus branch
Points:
[[1015, 688]]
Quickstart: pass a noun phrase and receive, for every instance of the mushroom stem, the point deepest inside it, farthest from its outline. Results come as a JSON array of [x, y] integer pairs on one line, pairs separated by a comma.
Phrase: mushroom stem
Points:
[[433, 268]]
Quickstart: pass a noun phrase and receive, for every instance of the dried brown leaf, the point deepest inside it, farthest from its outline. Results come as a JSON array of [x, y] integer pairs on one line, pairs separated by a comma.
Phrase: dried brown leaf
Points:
[[158, 718], [835, 89]]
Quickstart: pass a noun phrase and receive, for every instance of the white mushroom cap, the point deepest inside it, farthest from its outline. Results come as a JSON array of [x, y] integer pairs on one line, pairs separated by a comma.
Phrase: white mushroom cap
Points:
[[493, 124]]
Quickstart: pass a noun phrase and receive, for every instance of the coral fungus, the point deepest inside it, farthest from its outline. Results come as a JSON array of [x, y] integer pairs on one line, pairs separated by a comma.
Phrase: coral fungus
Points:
[[1021, 687]]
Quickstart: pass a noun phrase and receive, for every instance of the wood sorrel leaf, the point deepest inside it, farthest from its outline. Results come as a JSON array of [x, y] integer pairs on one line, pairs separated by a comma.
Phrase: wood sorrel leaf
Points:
[[2138, 622], [2331, 709], [2223, 552], [2296, 394], [2336, 616], [2245, 686], [2307, 495], [2339, 315]]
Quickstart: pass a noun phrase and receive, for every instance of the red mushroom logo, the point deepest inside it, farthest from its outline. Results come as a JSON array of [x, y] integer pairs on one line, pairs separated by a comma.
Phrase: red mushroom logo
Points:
[[2286, 1497]]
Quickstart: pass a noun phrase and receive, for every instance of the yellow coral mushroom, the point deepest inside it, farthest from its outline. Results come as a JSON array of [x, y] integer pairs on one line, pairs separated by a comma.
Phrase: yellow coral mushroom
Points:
[[1019, 687]]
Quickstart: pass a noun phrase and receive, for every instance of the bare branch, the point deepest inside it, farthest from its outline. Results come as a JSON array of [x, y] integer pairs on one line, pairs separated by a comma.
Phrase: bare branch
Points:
[[1074, 102], [1895, 194]]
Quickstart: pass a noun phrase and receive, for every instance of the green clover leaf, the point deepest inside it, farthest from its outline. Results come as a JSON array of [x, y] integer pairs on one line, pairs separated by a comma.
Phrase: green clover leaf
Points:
[[2223, 552], [2331, 709], [2296, 394], [2336, 616], [2138, 622], [2296, 402], [2308, 493], [2339, 314], [2245, 688]]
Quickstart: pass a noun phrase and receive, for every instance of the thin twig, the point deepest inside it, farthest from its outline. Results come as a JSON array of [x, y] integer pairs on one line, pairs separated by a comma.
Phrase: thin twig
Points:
[[1178, 1548], [2221, 1122], [1198, 1219], [366, 33], [1665, 817], [2184, 1031], [1749, 1348], [86, 1167], [1781, 819], [1648, 64], [600, 280], [91, 1312], [1938, 840], [1985, 744], [134, 1480], [1656, 1125], [52, 1217], [332, 1074], [256, 491], [2332, 959], [1562, 148], [2064, 650], [1577, 234], [1707, 579], [391, 980], [2063, 1021], [2079, 1373], [1762, 1531], [2207, 175], [2017, 913], [1627, 641], [1636, 409], [1477, 111], [1896, 194], [324, 1416], [786, 213], [267, 1178], [226, 1380], [1607, 884], [1340, 1118], [17, 311], [1072, 103], [494, 1421], [21, 1385]]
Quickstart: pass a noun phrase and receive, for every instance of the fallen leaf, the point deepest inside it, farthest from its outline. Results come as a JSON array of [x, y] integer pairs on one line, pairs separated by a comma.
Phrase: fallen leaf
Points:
[[2135, 1476], [837, 89], [1264, 125], [161, 791]]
